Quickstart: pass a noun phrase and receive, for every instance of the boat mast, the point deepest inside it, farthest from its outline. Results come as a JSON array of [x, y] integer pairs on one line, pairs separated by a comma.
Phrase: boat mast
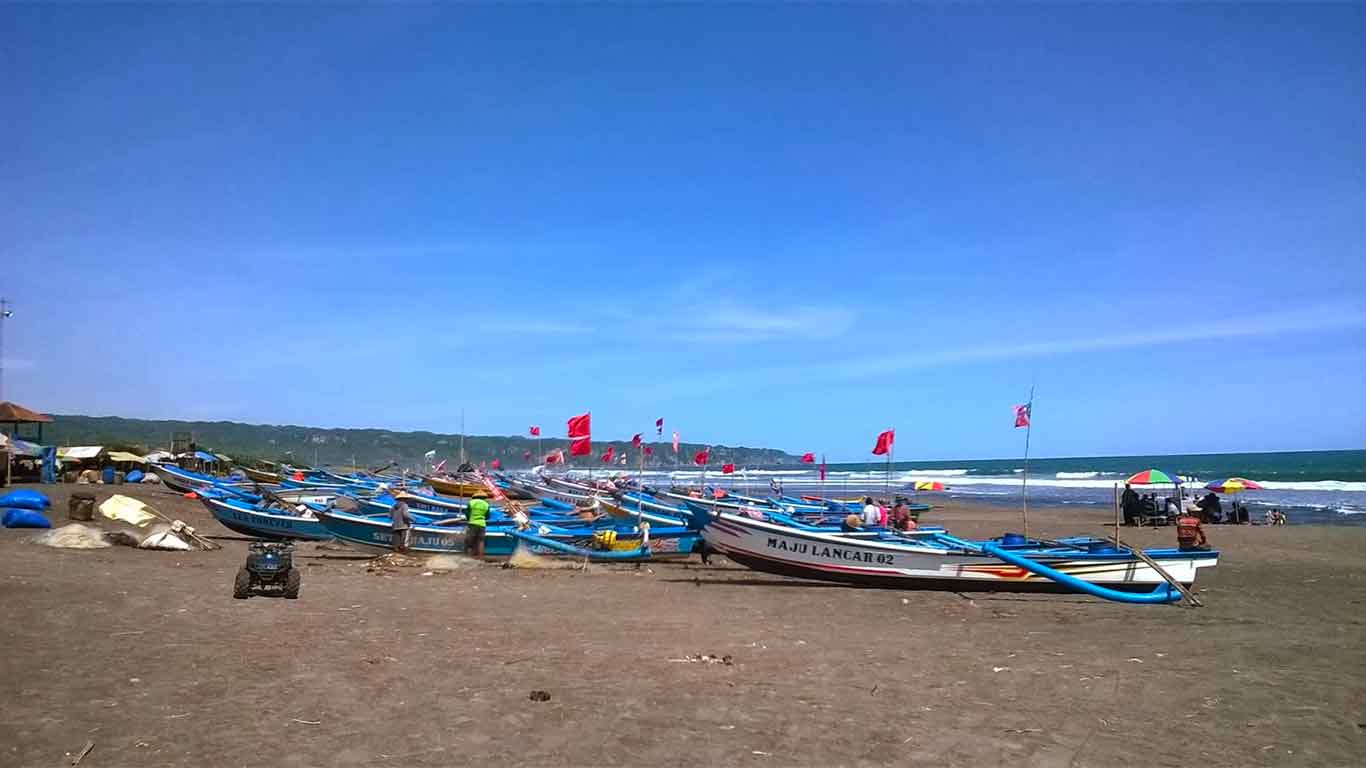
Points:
[[462, 436], [1024, 476]]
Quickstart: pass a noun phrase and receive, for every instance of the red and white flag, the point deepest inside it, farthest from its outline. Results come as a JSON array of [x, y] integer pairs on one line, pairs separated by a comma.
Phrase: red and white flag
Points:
[[884, 442], [675, 442], [555, 457], [1022, 414], [607, 455], [440, 466], [702, 457], [649, 451], [659, 427], [636, 440], [727, 469], [534, 431], [808, 458]]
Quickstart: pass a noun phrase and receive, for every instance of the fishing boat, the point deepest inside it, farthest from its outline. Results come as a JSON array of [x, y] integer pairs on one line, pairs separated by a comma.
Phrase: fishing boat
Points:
[[185, 481], [454, 486], [935, 560], [375, 533], [264, 519]]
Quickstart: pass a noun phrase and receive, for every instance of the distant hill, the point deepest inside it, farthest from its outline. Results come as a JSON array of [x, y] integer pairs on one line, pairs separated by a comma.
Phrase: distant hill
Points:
[[365, 447]]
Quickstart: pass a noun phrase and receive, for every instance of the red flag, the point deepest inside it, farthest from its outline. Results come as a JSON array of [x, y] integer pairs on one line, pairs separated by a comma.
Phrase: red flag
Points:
[[581, 447], [808, 458], [702, 457], [675, 442], [1022, 414], [496, 464], [555, 457], [727, 469], [822, 468], [636, 440], [580, 426], [884, 442], [534, 431], [649, 451], [607, 455], [659, 426]]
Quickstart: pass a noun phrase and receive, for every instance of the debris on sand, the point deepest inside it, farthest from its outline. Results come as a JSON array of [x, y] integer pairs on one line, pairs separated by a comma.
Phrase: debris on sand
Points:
[[521, 558], [449, 562], [394, 560], [73, 536], [539, 695], [704, 658]]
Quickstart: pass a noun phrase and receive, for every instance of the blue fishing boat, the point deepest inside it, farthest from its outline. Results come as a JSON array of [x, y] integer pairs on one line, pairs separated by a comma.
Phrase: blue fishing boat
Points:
[[264, 519]]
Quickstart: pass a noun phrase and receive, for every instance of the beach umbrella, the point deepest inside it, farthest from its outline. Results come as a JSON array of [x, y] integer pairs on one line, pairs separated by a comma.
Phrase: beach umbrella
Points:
[[1233, 485], [929, 485], [1152, 477]]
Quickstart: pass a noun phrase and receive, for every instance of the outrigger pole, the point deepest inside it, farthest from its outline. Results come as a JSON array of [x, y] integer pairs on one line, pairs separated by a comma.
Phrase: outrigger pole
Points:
[[1024, 477]]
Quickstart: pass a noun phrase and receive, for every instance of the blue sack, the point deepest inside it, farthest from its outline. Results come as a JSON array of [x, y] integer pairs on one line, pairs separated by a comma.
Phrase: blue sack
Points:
[[24, 518], [25, 499], [133, 477]]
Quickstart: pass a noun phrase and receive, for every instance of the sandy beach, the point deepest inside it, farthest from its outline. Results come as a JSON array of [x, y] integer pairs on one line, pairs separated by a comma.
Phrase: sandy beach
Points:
[[146, 655]]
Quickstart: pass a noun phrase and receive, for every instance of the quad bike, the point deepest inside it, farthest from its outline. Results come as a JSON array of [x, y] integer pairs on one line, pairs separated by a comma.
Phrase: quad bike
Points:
[[269, 569]]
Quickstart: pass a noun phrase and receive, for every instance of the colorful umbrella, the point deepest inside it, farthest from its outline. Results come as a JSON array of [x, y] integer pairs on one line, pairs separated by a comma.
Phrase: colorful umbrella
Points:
[[1233, 485], [1152, 477], [929, 485]]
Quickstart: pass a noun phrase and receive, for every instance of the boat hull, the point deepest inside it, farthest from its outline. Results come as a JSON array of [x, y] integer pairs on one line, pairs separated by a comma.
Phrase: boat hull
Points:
[[254, 522], [783, 551]]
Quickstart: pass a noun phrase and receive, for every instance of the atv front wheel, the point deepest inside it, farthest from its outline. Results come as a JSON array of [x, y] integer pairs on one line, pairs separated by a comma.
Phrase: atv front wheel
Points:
[[293, 581], [241, 586]]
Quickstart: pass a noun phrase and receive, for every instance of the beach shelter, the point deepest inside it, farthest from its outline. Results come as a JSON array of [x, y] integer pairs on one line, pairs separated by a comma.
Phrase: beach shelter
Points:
[[14, 414], [1152, 477], [1233, 485]]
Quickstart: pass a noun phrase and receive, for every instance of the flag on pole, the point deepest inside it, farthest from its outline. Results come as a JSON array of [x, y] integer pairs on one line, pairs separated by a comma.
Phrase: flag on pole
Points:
[[429, 455], [555, 457], [636, 440], [702, 457], [1022, 414], [526, 455], [884, 442], [675, 442], [659, 427], [581, 426], [808, 458], [583, 446], [607, 455], [534, 430], [727, 469], [649, 451], [496, 464], [822, 467]]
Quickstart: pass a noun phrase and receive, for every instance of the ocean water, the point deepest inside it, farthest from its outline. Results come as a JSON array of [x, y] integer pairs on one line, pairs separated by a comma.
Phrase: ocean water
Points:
[[1312, 487]]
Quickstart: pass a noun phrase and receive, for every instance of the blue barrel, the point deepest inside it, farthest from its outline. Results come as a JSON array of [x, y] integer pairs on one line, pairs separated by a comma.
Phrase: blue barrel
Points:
[[108, 475], [1013, 540]]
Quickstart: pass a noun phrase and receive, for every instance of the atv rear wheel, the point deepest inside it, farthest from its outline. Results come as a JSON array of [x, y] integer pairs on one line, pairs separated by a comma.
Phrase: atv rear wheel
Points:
[[293, 581], [241, 586]]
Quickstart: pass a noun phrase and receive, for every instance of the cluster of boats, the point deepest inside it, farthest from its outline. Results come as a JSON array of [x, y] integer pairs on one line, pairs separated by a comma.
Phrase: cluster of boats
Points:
[[625, 521]]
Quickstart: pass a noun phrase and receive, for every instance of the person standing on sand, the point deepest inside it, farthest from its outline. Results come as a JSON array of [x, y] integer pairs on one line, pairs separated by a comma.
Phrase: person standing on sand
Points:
[[1129, 502], [1190, 537], [401, 521], [476, 524]]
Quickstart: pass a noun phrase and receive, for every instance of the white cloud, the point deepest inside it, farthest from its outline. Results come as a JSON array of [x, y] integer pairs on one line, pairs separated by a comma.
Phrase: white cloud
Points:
[[735, 324], [533, 328], [1311, 319], [15, 363]]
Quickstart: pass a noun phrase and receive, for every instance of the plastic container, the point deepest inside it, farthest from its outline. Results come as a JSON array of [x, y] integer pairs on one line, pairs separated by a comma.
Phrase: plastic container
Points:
[[81, 506], [108, 475]]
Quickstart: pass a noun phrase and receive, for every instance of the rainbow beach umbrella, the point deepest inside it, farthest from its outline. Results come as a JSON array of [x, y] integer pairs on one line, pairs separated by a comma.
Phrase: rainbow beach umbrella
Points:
[[929, 485], [1152, 477], [1233, 485]]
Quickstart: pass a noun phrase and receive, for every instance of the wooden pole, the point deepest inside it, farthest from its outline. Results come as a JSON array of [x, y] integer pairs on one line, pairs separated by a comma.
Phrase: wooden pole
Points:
[[1167, 577], [1116, 515]]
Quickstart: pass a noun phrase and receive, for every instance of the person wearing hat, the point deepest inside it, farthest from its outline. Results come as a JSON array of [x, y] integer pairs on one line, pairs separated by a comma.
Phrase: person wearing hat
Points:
[[476, 524], [401, 523]]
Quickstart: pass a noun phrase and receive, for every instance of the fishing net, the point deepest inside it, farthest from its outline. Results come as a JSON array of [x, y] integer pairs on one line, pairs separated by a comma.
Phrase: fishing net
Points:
[[73, 536], [524, 558]]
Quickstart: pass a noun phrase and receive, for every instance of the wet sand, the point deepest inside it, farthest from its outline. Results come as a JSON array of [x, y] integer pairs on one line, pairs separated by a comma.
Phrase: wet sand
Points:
[[147, 655]]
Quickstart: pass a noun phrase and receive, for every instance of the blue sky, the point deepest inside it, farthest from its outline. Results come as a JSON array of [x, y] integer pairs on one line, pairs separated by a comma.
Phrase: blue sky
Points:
[[788, 226]]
